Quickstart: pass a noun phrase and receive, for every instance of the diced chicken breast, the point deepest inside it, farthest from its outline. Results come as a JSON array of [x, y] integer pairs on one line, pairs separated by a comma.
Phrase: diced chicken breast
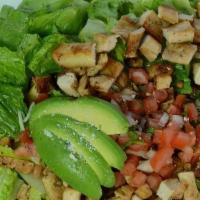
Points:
[[135, 197], [71, 194], [196, 25], [163, 81], [82, 88], [125, 192], [68, 83], [101, 62], [101, 83], [75, 55], [152, 24], [184, 17], [145, 166], [133, 42], [124, 26], [150, 48], [112, 68], [168, 14], [179, 53], [182, 32], [105, 42], [188, 179], [196, 73], [144, 191], [168, 188]]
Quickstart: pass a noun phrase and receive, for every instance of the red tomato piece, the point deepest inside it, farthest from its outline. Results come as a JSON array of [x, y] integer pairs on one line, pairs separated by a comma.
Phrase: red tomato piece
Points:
[[25, 137], [198, 135], [179, 101], [174, 110], [157, 136], [138, 75], [41, 97], [191, 111], [119, 179], [188, 127], [138, 179], [161, 158], [150, 104], [136, 106], [139, 147], [167, 171], [167, 137], [154, 181], [130, 166], [122, 139], [161, 95]]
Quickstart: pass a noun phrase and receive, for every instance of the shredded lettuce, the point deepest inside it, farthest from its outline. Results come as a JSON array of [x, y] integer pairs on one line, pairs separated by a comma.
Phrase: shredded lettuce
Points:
[[42, 62]]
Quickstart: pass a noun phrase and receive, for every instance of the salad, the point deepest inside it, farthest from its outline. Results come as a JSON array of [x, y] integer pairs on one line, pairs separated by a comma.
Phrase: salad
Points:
[[100, 99]]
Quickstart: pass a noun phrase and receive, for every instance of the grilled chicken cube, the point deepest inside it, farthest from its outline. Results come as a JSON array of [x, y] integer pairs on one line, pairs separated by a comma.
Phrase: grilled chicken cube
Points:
[[112, 69], [105, 42], [101, 83], [169, 189], [75, 55], [135, 197], [179, 53], [196, 25], [101, 62], [184, 17], [188, 179], [82, 88], [71, 194], [144, 191], [124, 26], [124, 193], [68, 83], [133, 42], [168, 14], [152, 24], [150, 48], [182, 32], [196, 73], [163, 81]]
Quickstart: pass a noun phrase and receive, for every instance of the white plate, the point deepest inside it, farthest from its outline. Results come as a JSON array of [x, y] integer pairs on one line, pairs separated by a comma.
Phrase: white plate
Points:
[[13, 3]]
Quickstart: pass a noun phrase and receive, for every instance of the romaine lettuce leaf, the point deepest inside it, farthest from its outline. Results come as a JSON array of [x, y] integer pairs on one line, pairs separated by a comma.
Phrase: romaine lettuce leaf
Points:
[[12, 68], [13, 26], [42, 62]]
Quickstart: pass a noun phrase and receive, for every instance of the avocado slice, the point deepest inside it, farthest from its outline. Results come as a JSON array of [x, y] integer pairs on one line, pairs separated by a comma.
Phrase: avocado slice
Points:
[[58, 125], [66, 163], [95, 111]]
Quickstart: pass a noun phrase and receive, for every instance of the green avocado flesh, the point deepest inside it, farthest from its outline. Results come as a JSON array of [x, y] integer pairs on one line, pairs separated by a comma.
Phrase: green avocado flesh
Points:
[[58, 124], [92, 110], [65, 162]]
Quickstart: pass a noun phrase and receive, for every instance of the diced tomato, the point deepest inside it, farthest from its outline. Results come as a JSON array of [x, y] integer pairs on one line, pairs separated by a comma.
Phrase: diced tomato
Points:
[[41, 97], [198, 135], [150, 104], [139, 147], [191, 111], [130, 166], [122, 139], [157, 136], [186, 155], [138, 76], [160, 95], [181, 140], [154, 181], [119, 179], [179, 101], [167, 171], [161, 158], [174, 110], [150, 88], [138, 179], [136, 106], [188, 127], [25, 137], [168, 136]]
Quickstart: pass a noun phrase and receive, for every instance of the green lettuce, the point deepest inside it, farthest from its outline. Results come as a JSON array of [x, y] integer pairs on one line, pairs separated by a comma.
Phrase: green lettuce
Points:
[[42, 62], [27, 46], [12, 68], [8, 184], [13, 26], [182, 80], [11, 103], [42, 6]]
